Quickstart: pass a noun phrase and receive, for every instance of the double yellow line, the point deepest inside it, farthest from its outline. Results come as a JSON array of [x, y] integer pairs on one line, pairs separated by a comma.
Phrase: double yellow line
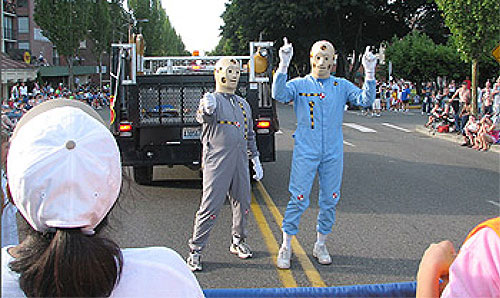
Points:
[[285, 276]]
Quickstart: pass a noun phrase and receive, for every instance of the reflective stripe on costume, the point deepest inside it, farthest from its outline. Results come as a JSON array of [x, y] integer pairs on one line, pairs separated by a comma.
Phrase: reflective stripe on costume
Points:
[[236, 123], [311, 111]]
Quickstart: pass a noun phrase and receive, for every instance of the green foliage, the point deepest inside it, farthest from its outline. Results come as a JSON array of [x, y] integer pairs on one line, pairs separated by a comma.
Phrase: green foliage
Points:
[[102, 30], [160, 37], [63, 22], [350, 25], [417, 58], [475, 25]]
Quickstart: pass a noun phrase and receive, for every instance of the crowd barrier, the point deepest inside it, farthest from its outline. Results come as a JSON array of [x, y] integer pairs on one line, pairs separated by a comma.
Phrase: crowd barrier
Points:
[[403, 289]]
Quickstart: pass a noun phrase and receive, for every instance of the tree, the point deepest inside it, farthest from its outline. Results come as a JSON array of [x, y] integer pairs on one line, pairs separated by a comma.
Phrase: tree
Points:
[[349, 25], [418, 59], [65, 24], [101, 35], [475, 26], [160, 37]]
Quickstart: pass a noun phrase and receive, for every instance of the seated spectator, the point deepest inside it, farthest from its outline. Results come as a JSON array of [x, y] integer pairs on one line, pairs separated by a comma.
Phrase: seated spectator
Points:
[[471, 128], [488, 134], [473, 272], [64, 173], [434, 114]]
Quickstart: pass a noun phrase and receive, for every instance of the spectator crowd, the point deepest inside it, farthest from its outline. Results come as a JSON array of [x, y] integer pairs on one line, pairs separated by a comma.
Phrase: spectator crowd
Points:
[[23, 98], [450, 111]]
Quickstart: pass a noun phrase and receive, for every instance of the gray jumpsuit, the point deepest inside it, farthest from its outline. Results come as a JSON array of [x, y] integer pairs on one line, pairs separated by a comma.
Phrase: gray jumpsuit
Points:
[[228, 142]]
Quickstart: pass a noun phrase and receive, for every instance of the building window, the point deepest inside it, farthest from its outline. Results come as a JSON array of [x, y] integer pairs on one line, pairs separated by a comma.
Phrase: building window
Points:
[[23, 45], [8, 30], [38, 35], [55, 57], [23, 25], [22, 3]]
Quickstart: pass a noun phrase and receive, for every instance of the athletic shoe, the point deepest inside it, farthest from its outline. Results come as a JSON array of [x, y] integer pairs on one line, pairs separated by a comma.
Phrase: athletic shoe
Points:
[[321, 253], [241, 249], [284, 256], [194, 261]]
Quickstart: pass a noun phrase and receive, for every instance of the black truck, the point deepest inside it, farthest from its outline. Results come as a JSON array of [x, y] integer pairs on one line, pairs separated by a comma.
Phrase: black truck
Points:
[[154, 104]]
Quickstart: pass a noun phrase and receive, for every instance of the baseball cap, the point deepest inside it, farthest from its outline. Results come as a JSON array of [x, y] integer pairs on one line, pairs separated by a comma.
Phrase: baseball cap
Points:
[[63, 167]]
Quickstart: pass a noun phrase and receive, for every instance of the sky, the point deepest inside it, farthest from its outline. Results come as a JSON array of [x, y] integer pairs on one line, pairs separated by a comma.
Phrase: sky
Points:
[[196, 21]]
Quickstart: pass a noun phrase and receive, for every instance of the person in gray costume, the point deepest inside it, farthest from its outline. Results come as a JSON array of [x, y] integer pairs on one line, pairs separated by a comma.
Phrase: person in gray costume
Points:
[[228, 142]]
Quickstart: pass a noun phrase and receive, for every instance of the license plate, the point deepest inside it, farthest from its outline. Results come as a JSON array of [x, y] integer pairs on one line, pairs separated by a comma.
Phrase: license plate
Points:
[[191, 133]]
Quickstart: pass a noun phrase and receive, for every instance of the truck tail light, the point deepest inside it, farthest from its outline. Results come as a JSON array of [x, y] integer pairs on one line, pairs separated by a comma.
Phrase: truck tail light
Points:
[[263, 124], [125, 127]]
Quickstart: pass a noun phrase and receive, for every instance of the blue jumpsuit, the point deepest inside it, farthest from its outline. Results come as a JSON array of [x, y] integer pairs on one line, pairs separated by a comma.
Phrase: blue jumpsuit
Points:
[[319, 108]]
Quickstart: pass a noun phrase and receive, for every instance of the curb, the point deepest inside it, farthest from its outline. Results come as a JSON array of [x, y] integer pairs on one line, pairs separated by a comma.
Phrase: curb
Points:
[[450, 137]]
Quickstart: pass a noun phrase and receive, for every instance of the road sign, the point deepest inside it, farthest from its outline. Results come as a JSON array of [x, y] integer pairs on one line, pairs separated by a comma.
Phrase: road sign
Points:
[[27, 57], [496, 52]]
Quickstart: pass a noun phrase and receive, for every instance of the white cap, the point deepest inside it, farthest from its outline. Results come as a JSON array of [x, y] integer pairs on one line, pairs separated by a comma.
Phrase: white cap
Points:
[[63, 167]]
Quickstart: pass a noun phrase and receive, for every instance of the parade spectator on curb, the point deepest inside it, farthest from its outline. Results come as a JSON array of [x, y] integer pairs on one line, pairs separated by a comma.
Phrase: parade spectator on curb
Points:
[[426, 101], [487, 98], [488, 134], [471, 128], [463, 96], [405, 98], [473, 272], [495, 93], [9, 224], [64, 173]]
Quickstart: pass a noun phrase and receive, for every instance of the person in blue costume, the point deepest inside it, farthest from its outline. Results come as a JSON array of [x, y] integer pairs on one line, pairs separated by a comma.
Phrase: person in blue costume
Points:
[[318, 100]]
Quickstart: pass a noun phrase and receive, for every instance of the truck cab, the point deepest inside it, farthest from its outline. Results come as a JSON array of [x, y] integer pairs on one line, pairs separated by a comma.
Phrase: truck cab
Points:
[[155, 99]]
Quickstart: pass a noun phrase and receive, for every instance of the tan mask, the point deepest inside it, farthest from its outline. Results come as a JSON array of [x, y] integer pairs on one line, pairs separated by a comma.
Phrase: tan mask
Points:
[[322, 58], [227, 75]]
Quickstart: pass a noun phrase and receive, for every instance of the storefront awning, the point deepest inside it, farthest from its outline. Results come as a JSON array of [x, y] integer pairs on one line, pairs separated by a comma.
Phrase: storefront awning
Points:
[[13, 71]]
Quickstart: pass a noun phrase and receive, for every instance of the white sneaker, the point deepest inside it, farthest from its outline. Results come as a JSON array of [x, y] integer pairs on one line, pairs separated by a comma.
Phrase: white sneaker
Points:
[[320, 252], [242, 250], [194, 261], [284, 256]]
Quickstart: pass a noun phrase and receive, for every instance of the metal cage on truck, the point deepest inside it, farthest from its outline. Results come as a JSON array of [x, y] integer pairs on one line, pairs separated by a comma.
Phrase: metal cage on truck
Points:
[[153, 110]]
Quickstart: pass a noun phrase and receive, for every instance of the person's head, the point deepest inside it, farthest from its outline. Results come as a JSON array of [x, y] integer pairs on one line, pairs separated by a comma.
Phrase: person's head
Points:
[[227, 75], [64, 175], [488, 84], [464, 84], [322, 58]]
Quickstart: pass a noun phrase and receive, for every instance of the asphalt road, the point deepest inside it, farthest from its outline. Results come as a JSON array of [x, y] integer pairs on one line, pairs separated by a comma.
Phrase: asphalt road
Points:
[[402, 190]]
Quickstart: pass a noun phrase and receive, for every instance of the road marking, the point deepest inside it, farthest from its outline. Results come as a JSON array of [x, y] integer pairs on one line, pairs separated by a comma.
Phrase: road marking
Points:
[[359, 127], [495, 203], [395, 127], [349, 144], [309, 269], [285, 276]]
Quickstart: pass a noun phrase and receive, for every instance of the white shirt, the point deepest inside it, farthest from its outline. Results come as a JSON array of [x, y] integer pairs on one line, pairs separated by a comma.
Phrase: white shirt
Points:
[[9, 224], [147, 272]]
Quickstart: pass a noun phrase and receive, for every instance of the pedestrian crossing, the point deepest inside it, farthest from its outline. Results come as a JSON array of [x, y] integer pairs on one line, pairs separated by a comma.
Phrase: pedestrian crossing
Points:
[[364, 129], [372, 129]]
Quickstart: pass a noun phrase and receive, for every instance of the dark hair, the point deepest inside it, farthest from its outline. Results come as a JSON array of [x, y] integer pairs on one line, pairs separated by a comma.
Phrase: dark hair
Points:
[[67, 263]]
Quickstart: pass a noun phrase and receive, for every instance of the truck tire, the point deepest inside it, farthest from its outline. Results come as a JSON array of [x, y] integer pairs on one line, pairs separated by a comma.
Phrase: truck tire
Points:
[[143, 175]]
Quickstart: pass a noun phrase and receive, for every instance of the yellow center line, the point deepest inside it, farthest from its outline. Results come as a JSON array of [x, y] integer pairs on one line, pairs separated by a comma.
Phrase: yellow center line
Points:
[[285, 276], [309, 269]]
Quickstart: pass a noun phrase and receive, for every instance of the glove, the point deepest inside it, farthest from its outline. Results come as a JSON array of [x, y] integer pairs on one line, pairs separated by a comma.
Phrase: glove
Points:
[[209, 103], [257, 167], [369, 63], [285, 53]]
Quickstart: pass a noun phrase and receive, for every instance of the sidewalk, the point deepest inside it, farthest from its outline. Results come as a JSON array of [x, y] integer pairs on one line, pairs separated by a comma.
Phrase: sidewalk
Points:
[[450, 137]]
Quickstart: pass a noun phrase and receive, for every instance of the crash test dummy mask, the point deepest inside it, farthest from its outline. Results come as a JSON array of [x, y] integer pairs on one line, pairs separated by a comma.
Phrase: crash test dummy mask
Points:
[[227, 75], [322, 58]]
